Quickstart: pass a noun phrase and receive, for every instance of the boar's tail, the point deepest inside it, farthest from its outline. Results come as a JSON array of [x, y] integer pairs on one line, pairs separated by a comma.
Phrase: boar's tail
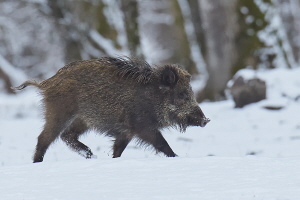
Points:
[[25, 84]]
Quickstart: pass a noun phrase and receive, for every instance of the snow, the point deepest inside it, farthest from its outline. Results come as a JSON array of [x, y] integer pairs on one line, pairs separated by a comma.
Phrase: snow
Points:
[[246, 153], [175, 178]]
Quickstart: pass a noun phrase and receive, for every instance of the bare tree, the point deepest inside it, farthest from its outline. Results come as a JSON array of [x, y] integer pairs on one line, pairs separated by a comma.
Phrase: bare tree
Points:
[[219, 22], [212, 40], [290, 15]]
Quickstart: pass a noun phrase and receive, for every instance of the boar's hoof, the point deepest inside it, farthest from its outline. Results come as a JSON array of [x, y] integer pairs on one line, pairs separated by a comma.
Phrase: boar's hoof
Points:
[[90, 155]]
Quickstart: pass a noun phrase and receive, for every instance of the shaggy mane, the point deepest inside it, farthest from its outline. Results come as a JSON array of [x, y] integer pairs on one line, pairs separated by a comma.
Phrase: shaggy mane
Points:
[[132, 68]]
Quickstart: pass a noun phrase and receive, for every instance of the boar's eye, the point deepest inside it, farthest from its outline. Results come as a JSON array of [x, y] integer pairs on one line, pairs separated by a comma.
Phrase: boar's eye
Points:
[[183, 96]]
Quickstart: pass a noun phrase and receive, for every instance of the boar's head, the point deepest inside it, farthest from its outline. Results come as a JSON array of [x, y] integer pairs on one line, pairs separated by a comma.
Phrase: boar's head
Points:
[[180, 105]]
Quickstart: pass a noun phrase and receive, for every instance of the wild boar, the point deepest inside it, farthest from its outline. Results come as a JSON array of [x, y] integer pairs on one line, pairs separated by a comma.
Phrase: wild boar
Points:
[[121, 97]]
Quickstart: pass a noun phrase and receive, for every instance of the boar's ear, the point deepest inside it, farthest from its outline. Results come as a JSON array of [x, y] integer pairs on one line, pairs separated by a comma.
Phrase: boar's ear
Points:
[[169, 76]]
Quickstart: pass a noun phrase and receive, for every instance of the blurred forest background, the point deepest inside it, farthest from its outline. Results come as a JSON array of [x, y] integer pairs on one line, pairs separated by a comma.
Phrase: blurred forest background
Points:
[[212, 39]]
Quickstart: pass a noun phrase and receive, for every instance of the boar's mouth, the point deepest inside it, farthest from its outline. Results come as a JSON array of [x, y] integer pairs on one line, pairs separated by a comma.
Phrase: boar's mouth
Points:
[[198, 122], [195, 118]]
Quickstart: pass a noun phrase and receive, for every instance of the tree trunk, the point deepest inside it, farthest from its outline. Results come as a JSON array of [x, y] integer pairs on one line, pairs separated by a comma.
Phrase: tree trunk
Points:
[[289, 12], [220, 25], [130, 12]]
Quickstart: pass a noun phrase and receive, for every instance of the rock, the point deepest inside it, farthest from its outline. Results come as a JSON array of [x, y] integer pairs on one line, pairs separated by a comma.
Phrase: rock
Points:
[[247, 91]]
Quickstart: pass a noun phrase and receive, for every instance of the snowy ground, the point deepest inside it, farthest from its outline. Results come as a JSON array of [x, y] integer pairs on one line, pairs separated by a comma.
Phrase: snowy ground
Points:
[[248, 153]]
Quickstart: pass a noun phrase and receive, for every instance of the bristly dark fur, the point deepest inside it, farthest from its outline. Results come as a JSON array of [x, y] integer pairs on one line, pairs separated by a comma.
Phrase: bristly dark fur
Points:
[[133, 68], [122, 98]]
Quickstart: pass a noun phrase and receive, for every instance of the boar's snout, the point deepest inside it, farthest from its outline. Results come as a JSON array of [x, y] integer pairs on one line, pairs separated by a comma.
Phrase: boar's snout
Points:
[[197, 118], [204, 121]]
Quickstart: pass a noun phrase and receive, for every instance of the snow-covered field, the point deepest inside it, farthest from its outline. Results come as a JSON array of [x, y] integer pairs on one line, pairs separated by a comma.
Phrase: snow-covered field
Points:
[[248, 153]]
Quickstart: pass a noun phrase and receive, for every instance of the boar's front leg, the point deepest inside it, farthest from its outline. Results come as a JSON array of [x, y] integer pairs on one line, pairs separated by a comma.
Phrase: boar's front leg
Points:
[[120, 144], [159, 143]]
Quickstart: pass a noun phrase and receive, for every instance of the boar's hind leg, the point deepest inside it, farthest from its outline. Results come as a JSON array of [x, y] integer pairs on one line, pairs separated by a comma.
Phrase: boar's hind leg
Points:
[[156, 139], [71, 135], [53, 127], [120, 144]]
